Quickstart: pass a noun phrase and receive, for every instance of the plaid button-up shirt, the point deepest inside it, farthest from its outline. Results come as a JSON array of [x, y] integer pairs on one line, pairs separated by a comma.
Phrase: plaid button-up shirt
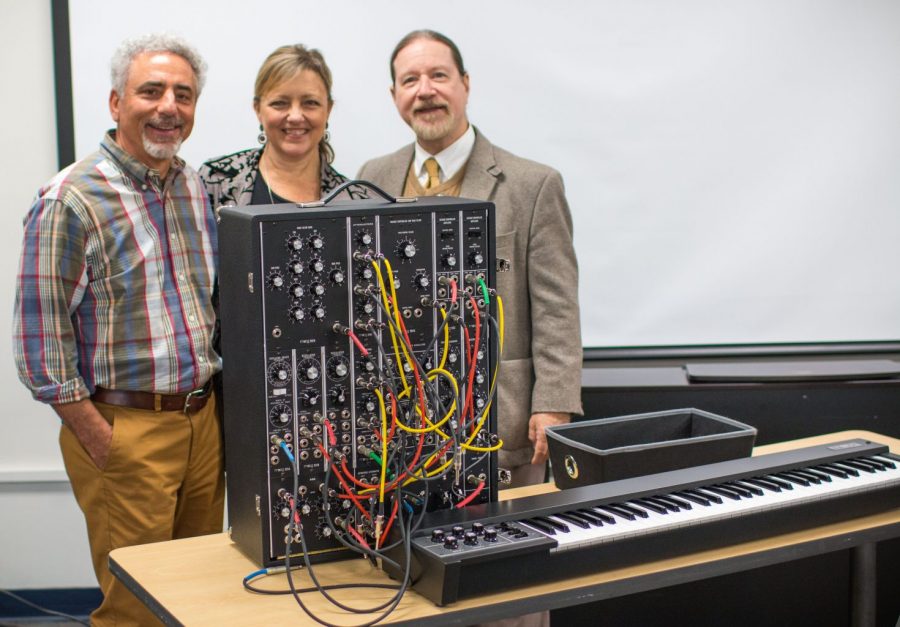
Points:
[[115, 281]]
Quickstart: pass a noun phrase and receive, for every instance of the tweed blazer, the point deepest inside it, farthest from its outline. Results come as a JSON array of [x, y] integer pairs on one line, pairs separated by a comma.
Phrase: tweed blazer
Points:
[[540, 369]]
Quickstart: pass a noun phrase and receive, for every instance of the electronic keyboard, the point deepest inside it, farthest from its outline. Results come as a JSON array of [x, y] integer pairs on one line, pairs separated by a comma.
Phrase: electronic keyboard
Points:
[[489, 547]]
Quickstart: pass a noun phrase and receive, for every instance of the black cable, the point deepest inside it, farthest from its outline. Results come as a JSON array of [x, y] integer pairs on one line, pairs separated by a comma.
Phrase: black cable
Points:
[[390, 604], [340, 535], [337, 586], [41, 609]]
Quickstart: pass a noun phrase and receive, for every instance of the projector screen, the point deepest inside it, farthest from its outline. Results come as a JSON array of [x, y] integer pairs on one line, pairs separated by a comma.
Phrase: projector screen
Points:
[[732, 167]]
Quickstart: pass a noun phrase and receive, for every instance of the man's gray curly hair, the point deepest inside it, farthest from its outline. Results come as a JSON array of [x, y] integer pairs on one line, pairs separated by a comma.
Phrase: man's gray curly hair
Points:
[[154, 42]]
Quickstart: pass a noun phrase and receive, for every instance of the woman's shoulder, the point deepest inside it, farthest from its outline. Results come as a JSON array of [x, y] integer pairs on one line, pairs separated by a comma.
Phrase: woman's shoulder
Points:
[[229, 166]]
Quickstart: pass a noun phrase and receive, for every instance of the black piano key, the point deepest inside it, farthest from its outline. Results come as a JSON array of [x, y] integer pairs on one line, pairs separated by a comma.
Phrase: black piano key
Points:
[[762, 483], [696, 498], [594, 517], [712, 496], [651, 505], [720, 489], [618, 511], [556, 524], [662, 500], [782, 483], [540, 525], [853, 472], [823, 476], [793, 478], [571, 518], [634, 509], [890, 463], [801, 472], [869, 463], [677, 502], [855, 464], [606, 518], [755, 490], [833, 470], [588, 516], [741, 491], [879, 465]]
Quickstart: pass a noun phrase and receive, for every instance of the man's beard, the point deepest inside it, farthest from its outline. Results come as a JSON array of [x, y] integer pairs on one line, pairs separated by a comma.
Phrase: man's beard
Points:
[[161, 151], [430, 131], [164, 150]]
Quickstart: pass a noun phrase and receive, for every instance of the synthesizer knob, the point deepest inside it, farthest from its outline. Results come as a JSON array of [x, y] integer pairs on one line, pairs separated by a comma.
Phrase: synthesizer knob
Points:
[[366, 272], [422, 281], [369, 403], [338, 368], [364, 238], [367, 307], [476, 258], [458, 530], [437, 535], [478, 528], [296, 290], [296, 266], [479, 377], [279, 372], [317, 312], [297, 314], [316, 242], [317, 289], [338, 395], [309, 398], [490, 534], [280, 415], [316, 265], [450, 542], [470, 538], [337, 277], [294, 243], [406, 249], [308, 370], [449, 260], [275, 280]]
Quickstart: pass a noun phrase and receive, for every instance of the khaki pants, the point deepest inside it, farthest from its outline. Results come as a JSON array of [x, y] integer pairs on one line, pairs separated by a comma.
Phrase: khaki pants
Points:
[[164, 480]]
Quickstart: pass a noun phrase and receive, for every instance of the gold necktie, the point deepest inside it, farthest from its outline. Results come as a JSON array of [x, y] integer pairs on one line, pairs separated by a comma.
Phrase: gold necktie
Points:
[[431, 167]]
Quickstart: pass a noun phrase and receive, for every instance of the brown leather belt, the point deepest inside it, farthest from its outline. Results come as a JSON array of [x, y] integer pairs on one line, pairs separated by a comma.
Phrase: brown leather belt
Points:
[[187, 403]]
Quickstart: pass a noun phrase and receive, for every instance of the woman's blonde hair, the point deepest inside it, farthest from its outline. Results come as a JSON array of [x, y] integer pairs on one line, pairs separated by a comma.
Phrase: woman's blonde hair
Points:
[[282, 65]]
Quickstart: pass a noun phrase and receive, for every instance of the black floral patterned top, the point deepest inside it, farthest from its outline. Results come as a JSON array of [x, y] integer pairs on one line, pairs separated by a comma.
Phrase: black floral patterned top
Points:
[[230, 179]]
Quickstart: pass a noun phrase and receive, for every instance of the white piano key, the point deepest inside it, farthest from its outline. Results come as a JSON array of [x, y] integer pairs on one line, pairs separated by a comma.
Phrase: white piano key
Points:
[[577, 537]]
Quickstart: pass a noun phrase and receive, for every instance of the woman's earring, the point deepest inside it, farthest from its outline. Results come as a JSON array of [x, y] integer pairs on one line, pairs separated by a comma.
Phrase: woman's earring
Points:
[[261, 138]]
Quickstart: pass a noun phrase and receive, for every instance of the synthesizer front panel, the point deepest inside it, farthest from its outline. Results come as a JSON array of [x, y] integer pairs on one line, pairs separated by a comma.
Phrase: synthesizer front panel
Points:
[[360, 355]]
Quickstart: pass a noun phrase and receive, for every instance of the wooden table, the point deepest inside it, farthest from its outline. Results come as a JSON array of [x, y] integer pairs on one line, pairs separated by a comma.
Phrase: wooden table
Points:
[[197, 581]]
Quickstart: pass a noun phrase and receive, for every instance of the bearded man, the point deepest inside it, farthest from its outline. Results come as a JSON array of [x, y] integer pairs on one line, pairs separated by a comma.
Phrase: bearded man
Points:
[[114, 320]]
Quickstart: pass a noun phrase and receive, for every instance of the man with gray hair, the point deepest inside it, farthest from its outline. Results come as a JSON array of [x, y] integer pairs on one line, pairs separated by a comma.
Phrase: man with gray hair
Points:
[[114, 320]]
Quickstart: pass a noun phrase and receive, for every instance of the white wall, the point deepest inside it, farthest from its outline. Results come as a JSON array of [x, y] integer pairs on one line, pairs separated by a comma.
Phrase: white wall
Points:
[[43, 542], [731, 166]]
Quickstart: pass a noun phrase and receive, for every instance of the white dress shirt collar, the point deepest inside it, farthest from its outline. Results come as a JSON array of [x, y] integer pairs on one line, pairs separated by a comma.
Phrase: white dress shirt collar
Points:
[[451, 159]]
